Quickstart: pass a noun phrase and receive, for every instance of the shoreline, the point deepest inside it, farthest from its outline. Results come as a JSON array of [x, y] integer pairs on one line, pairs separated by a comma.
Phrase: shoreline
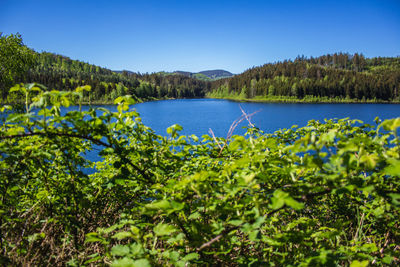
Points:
[[304, 101], [252, 100]]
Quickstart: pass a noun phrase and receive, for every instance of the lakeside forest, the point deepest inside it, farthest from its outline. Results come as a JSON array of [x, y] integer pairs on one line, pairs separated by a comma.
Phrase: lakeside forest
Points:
[[326, 194], [333, 77]]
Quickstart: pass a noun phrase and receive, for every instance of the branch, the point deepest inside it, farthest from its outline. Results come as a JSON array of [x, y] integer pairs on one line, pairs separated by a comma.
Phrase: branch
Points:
[[311, 196], [215, 139], [144, 175], [218, 237], [96, 141], [248, 116], [227, 230], [234, 124], [56, 134]]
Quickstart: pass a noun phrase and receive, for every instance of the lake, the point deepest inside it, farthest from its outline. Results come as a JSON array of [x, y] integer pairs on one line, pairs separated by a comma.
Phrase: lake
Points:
[[198, 115]]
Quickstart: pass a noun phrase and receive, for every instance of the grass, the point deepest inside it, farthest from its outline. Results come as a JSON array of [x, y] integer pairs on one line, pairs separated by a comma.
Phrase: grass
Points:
[[293, 99]]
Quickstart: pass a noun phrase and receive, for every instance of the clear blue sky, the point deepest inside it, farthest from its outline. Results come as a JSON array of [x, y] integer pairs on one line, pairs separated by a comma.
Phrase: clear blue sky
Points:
[[150, 36]]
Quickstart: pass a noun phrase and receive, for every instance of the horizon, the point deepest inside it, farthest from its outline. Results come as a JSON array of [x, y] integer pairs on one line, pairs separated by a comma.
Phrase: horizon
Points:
[[234, 36]]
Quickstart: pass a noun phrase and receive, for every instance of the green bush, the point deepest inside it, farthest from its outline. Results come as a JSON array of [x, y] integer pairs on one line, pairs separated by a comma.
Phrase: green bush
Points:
[[323, 195]]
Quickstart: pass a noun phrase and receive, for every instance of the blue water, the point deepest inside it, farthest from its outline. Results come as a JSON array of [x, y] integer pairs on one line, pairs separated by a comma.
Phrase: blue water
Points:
[[198, 115]]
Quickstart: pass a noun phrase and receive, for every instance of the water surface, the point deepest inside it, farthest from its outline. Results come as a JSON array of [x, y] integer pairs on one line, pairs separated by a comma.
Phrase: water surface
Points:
[[198, 115]]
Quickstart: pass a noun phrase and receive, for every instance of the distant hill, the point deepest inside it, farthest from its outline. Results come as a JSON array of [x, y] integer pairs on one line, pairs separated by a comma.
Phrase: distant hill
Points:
[[216, 74], [207, 75]]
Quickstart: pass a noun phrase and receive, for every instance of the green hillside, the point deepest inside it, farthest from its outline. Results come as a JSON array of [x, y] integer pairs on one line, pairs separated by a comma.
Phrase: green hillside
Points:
[[334, 76], [208, 75], [330, 78], [63, 73]]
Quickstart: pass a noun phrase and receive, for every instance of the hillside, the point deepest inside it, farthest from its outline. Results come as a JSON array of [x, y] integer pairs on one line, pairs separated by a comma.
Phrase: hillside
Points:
[[330, 78], [63, 73], [216, 74], [207, 75], [340, 76]]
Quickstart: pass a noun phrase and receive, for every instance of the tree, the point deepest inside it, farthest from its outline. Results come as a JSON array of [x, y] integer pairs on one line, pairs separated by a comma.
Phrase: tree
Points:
[[15, 60], [271, 90]]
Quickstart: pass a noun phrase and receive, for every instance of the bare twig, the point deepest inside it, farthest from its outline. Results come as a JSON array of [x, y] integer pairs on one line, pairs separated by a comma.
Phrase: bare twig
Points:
[[234, 124], [215, 139], [248, 116]]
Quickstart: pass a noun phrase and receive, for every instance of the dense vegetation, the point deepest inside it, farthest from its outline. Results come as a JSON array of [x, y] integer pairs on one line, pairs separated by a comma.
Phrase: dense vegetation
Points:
[[337, 77], [329, 78], [61, 72], [20, 64], [323, 195], [15, 59]]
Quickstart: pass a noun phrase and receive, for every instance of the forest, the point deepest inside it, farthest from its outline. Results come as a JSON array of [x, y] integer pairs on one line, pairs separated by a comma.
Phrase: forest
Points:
[[62, 73], [56, 71], [332, 77]]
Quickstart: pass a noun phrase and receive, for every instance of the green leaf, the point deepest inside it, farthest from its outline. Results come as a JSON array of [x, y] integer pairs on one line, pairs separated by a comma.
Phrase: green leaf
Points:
[[235, 222], [162, 229], [93, 237], [370, 248], [83, 88], [16, 88], [253, 235], [136, 249], [177, 205], [118, 100], [124, 262], [120, 250], [142, 263], [173, 129], [248, 178], [191, 256], [391, 125], [177, 127], [395, 198], [277, 203], [393, 168], [94, 258], [357, 263], [194, 216], [127, 262], [278, 199], [387, 259], [293, 203], [370, 160], [122, 235], [159, 205]]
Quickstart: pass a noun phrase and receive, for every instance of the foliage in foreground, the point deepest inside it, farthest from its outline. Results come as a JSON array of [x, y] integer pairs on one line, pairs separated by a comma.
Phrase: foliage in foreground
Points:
[[15, 59], [325, 194]]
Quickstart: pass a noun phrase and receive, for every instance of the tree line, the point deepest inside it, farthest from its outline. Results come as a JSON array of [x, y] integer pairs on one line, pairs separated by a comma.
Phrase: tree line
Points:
[[19, 64], [338, 75], [62, 73]]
